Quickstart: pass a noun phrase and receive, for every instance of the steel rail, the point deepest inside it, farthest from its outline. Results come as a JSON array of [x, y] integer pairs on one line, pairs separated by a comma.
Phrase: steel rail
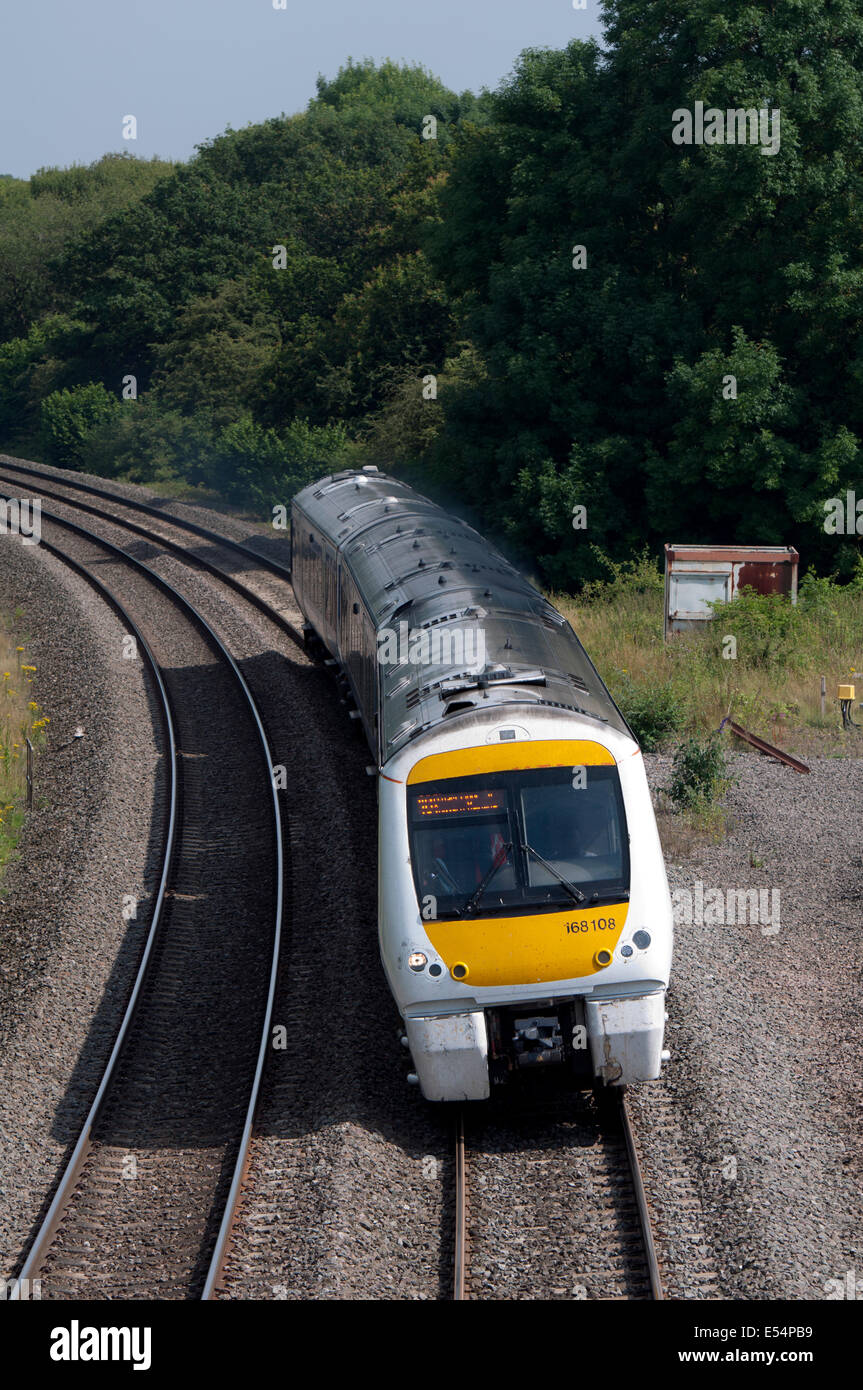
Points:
[[653, 1270], [769, 749], [150, 510], [71, 1173], [78, 1157], [176, 549], [460, 1249], [460, 1252]]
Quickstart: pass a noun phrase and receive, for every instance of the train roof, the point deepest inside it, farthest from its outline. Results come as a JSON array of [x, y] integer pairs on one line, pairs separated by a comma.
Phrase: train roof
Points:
[[424, 573]]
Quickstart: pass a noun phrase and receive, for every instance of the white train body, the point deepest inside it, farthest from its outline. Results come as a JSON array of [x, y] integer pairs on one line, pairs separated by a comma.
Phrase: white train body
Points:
[[524, 912]]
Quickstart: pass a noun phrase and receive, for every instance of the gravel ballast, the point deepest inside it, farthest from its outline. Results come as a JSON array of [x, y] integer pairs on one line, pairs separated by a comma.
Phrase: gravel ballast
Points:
[[766, 1035], [750, 1142], [67, 955]]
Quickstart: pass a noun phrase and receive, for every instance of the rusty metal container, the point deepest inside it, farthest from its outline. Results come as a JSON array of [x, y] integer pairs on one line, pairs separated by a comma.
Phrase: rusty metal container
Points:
[[696, 575]]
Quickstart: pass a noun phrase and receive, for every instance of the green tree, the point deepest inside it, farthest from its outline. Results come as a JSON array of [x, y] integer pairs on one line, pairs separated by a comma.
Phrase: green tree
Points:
[[256, 466], [40, 218], [603, 383], [220, 347], [69, 416]]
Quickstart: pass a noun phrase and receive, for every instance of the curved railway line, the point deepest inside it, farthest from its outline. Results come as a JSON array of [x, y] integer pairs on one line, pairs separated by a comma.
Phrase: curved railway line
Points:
[[145, 1202], [66, 1249], [270, 605], [7, 464]]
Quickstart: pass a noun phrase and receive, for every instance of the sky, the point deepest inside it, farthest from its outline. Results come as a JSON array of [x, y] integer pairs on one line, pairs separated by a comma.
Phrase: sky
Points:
[[72, 70]]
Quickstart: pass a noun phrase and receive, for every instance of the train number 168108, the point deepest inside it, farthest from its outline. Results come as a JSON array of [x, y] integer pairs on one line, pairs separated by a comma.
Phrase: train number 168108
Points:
[[598, 924]]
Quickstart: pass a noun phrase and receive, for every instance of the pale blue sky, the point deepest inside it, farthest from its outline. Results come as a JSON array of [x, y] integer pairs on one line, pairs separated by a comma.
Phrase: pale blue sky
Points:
[[72, 69]]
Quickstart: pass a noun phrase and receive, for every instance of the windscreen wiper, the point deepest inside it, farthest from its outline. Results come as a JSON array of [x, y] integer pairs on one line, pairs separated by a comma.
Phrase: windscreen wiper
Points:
[[499, 860], [575, 893], [493, 677]]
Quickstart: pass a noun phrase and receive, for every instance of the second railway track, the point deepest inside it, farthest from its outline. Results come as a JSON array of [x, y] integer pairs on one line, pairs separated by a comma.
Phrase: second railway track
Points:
[[199, 546], [144, 1205]]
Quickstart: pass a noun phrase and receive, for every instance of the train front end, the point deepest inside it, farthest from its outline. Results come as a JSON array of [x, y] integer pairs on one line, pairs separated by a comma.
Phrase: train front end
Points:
[[525, 918]]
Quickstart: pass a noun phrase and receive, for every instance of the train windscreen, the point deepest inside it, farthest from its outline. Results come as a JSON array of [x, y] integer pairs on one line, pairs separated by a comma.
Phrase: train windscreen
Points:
[[515, 842]]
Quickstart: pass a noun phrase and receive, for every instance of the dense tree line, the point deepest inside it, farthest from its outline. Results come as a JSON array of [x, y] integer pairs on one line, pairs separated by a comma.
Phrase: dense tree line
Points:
[[551, 304]]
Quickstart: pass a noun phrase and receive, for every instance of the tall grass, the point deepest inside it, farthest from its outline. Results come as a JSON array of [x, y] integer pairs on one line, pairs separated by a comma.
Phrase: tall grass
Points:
[[687, 684], [20, 719]]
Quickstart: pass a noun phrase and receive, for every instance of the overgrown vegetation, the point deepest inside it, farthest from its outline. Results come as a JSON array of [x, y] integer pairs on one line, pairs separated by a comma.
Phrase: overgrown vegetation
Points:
[[689, 684], [20, 719], [698, 774], [653, 710], [245, 321]]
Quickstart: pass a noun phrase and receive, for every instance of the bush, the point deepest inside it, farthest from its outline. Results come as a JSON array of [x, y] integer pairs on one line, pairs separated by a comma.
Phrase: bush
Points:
[[68, 417], [252, 466], [146, 443], [30, 368], [653, 711], [258, 467], [767, 627], [634, 577], [698, 773]]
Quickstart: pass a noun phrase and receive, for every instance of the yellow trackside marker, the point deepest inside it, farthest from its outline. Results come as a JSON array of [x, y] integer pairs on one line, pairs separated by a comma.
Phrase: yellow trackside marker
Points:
[[509, 757]]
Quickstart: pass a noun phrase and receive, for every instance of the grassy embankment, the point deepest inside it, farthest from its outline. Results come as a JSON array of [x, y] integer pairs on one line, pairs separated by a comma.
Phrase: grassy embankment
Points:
[[20, 719], [687, 686]]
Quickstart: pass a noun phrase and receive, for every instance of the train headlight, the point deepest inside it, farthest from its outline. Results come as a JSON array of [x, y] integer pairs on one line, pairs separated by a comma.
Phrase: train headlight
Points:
[[602, 958], [459, 970], [641, 940], [417, 961]]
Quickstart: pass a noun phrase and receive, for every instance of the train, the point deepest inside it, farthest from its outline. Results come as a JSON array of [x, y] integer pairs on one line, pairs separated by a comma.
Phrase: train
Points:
[[524, 915]]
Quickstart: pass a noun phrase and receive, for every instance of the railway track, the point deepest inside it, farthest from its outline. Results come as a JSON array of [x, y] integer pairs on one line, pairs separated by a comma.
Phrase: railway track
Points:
[[259, 580], [144, 1205], [225, 558], [60, 480], [608, 1197]]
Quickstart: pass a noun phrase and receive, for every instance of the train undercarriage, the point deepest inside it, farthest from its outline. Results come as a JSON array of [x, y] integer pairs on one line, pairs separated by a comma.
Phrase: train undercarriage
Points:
[[462, 1056]]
